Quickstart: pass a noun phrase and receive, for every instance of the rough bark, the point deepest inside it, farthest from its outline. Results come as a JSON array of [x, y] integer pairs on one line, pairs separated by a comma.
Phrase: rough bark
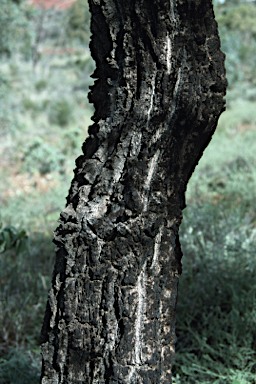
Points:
[[110, 316]]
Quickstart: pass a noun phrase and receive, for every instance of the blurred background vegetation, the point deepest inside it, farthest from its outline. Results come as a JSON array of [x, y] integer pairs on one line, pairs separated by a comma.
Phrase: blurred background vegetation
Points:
[[45, 68]]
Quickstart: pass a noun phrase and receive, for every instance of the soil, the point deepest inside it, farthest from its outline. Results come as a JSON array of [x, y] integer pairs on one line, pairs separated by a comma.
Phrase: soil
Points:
[[58, 4]]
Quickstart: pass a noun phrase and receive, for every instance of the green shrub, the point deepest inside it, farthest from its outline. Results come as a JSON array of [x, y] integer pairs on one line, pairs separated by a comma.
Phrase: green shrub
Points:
[[11, 237], [251, 94], [45, 104], [40, 85], [79, 21], [9, 17], [34, 105], [60, 113], [29, 104], [42, 157], [82, 63], [237, 29], [5, 90], [71, 140], [15, 31]]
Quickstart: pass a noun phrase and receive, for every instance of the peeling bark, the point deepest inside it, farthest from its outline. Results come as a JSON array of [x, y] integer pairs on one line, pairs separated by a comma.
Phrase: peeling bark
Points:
[[160, 83]]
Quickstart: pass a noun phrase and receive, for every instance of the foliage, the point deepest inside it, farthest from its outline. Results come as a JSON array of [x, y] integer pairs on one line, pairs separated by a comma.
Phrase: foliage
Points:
[[60, 113], [32, 105], [15, 32], [239, 18], [4, 91], [237, 29], [9, 19], [40, 85], [71, 140], [42, 157], [79, 21], [11, 237]]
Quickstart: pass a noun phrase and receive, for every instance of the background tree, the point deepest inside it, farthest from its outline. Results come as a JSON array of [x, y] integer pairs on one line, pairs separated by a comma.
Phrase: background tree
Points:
[[158, 95]]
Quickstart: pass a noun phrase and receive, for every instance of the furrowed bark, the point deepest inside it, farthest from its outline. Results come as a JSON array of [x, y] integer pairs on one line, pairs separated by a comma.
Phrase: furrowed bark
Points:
[[110, 316]]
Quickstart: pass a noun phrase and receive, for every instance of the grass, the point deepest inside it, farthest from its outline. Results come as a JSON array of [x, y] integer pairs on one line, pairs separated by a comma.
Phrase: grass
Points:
[[216, 309], [216, 337], [15, 368]]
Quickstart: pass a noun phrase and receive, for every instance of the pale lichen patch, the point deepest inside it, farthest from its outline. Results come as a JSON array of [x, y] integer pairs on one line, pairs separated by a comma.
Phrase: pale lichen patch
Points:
[[168, 54], [141, 289], [155, 261], [151, 169]]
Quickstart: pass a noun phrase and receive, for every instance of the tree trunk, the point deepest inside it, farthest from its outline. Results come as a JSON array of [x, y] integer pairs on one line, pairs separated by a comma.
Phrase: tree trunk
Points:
[[110, 316]]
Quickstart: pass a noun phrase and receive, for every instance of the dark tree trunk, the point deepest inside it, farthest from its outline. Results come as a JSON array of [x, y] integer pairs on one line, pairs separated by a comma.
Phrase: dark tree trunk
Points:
[[110, 317]]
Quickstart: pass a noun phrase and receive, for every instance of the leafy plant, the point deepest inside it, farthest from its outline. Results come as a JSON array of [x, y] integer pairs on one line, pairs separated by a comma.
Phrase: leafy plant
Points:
[[60, 113], [71, 140], [9, 16], [30, 104], [16, 31], [42, 157], [79, 21], [237, 27], [11, 237], [40, 85]]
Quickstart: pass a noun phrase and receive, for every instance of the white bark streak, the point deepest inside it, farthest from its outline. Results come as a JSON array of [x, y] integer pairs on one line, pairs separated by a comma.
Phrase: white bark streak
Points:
[[179, 77], [141, 284], [168, 54], [151, 169], [152, 96], [141, 291], [155, 261]]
